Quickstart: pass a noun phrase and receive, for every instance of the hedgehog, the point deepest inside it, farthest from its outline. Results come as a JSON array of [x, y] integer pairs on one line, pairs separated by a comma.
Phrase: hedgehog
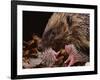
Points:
[[68, 30]]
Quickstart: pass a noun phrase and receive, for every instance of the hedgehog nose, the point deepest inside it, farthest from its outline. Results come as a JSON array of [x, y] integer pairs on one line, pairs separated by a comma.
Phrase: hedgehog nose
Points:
[[40, 47]]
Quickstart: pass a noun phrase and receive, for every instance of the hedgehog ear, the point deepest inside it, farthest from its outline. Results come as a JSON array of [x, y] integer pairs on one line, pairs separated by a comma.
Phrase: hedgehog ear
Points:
[[69, 20]]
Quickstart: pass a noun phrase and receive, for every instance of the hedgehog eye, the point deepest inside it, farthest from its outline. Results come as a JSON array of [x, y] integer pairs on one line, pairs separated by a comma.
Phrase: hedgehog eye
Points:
[[69, 20]]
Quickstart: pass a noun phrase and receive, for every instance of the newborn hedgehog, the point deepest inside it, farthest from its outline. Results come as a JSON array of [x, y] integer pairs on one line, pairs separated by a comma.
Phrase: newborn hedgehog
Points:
[[65, 29]]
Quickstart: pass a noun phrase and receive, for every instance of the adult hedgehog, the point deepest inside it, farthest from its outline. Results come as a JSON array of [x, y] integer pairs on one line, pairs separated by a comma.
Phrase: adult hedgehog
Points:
[[69, 31]]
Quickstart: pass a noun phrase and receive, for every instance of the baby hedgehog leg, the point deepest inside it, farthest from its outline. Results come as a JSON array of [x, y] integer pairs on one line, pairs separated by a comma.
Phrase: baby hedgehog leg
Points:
[[74, 56]]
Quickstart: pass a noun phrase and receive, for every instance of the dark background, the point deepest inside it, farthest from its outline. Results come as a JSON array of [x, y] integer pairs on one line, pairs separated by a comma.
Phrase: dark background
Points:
[[34, 22]]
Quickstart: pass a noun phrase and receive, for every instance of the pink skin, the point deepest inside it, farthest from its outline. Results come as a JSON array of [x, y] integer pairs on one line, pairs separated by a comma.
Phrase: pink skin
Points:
[[49, 57], [74, 56]]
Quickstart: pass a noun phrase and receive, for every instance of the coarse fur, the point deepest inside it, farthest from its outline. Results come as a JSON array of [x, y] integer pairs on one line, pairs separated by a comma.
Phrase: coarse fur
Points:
[[67, 28]]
